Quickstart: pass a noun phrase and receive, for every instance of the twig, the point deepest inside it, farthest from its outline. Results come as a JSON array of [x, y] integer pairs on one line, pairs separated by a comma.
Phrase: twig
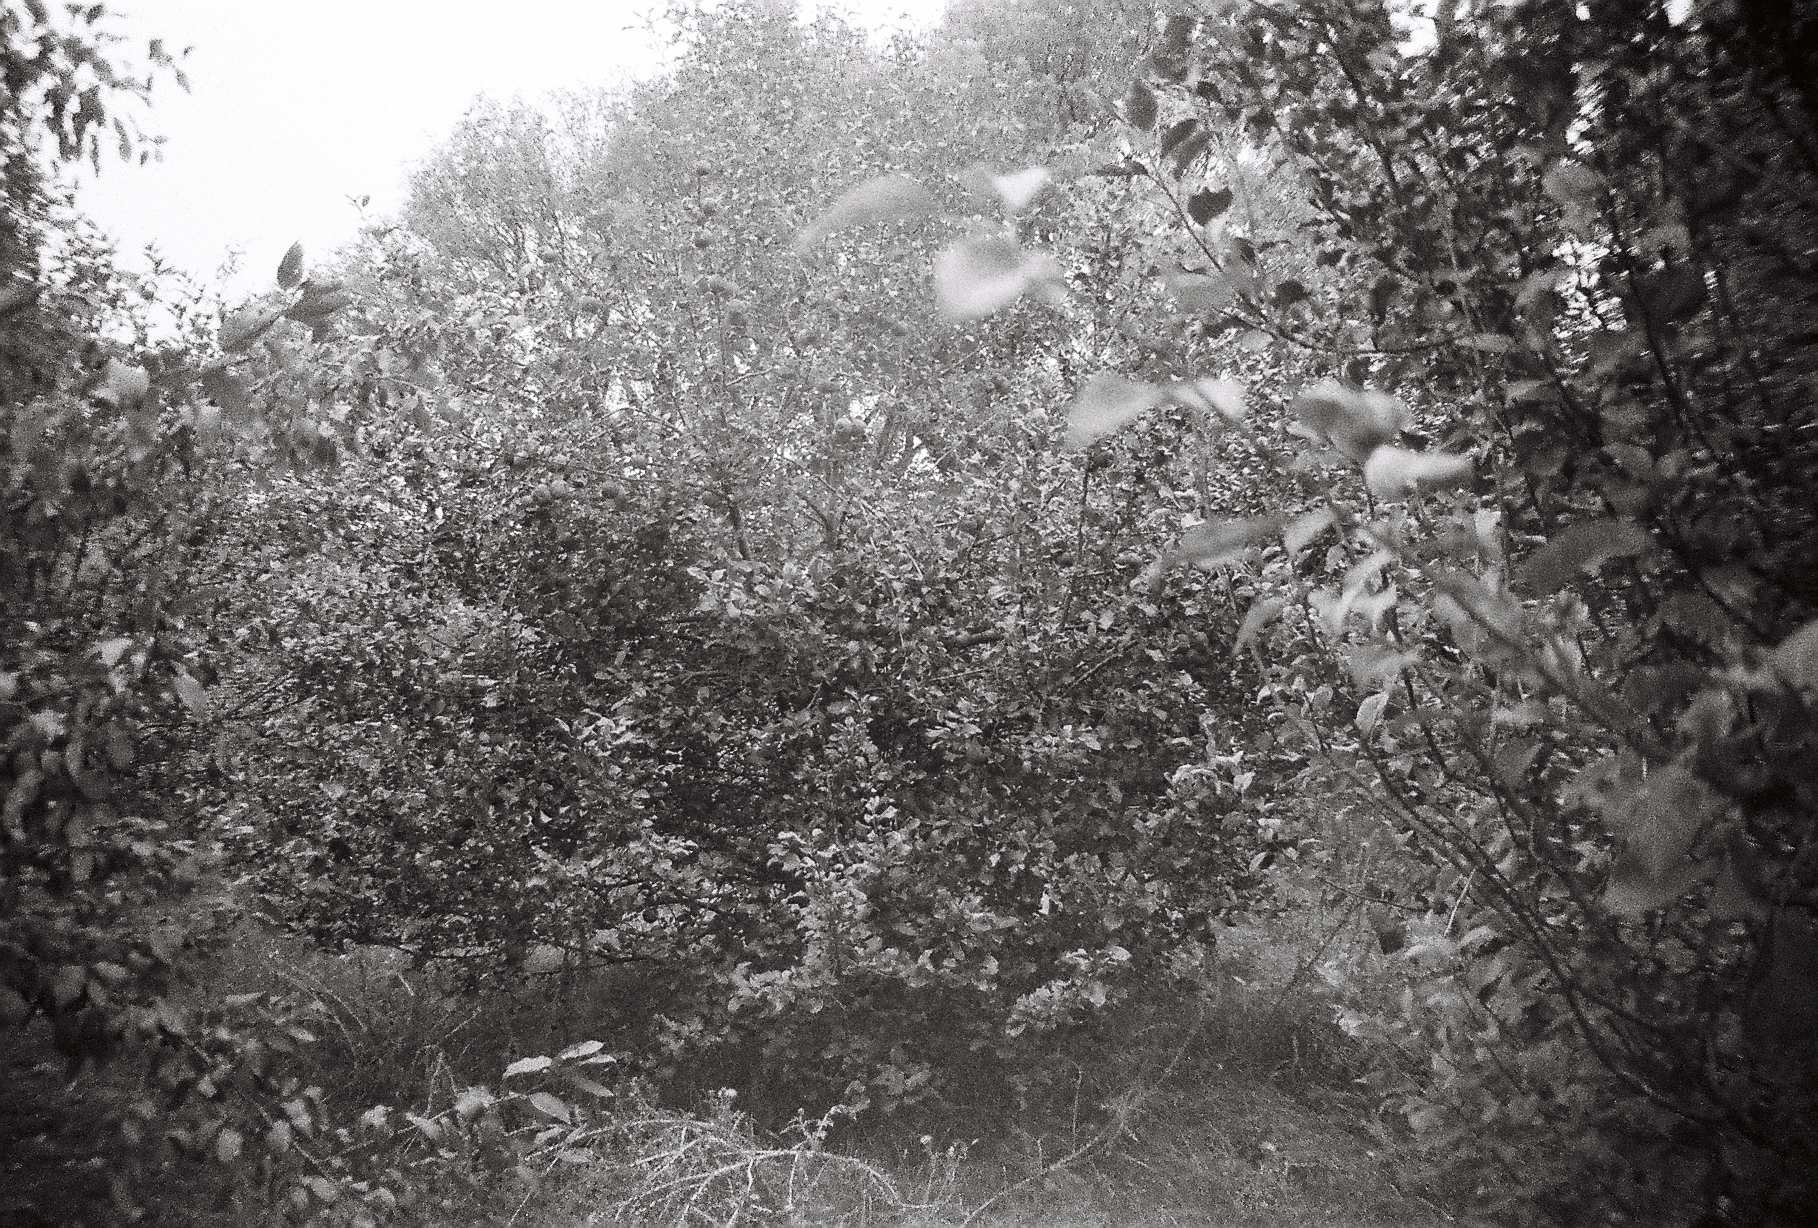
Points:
[[1314, 958], [1462, 892]]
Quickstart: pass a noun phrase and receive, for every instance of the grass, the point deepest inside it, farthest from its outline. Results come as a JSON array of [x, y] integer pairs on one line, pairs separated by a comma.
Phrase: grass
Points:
[[1240, 1110], [1258, 1122], [1237, 1109]]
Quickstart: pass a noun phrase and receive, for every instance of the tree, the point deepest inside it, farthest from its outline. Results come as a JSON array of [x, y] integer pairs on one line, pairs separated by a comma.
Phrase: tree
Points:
[[751, 663], [109, 447], [1580, 686]]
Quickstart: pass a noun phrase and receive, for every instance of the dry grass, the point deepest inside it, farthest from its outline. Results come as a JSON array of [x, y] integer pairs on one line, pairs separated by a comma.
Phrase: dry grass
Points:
[[1236, 1109], [1257, 1125]]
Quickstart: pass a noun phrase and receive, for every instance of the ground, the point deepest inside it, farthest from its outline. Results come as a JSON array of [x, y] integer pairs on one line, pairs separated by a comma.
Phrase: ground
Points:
[[1254, 1118]]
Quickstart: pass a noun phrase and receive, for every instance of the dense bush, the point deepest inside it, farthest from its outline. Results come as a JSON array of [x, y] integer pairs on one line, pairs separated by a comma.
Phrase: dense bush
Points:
[[1576, 239], [632, 570]]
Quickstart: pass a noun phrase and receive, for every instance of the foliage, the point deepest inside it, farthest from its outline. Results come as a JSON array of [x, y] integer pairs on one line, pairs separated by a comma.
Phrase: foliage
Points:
[[654, 561], [107, 442], [784, 695], [1575, 692]]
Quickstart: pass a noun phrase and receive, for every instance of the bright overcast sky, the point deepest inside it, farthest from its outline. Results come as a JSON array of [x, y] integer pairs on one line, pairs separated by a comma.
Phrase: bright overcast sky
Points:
[[293, 109]]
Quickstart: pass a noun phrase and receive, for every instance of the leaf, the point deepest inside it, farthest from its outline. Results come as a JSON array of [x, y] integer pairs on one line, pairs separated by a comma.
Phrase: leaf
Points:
[[323, 1189], [1019, 188], [1393, 473], [278, 1138], [290, 269], [591, 1087], [1223, 397], [70, 983], [1673, 294], [227, 1145], [112, 650], [432, 1129], [319, 302], [1260, 614], [1140, 110], [528, 1065], [191, 693], [1220, 541], [1357, 422], [1104, 404], [978, 276], [122, 384], [1360, 573], [1289, 293], [1200, 292], [1206, 204], [1178, 132], [1373, 606], [1584, 546], [229, 391], [1436, 950], [1573, 183], [244, 327], [887, 198], [1531, 390], [1379, 664], [586, 1048], [1471, 607], [552, 1106], [1737, 895], [1630, 892], [1177, 33], [1796, 659], [1579, 191], [1369, 712], [1303, 530], [1659, 823], [1189, 150], [1661, 819]]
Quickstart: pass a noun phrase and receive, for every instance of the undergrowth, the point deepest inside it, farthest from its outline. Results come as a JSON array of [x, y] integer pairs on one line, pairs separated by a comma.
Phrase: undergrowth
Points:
[[1235, 1104]]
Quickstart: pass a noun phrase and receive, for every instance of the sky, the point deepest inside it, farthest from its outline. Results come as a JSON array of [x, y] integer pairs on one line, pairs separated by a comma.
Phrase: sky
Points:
[[295, 111]]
